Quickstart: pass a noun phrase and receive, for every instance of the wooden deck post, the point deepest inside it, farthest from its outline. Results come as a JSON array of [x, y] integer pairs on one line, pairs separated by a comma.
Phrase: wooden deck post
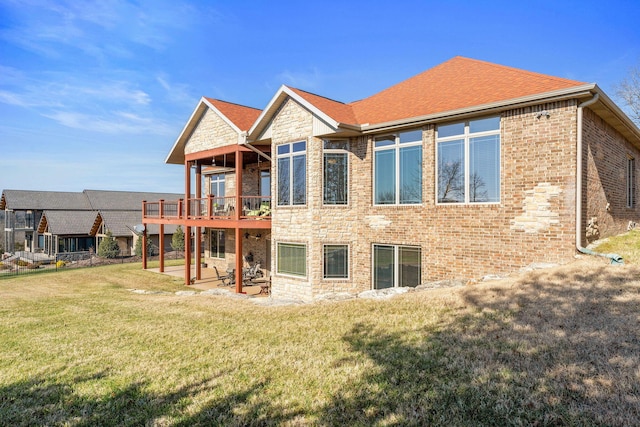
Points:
[[238, 212], [187, 231], [160, 245], [196, 233], [144, 246]]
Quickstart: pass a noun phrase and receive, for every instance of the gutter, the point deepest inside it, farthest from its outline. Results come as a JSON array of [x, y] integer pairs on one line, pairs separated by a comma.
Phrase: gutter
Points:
[[242, 140], [615, 258]]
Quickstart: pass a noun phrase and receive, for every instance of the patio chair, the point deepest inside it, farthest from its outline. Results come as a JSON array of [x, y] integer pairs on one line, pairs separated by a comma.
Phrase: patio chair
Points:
[[226, 280], [252, 273]]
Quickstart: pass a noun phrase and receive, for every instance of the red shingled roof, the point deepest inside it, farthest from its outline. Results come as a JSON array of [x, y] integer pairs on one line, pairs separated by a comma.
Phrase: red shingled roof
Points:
[[338, 111], [241, 116], [455, 84]]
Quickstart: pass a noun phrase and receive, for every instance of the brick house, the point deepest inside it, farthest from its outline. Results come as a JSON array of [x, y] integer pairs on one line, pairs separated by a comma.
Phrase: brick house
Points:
[[467, 169]]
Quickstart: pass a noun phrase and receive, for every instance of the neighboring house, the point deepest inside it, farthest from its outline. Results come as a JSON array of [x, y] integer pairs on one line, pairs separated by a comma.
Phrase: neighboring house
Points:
[[53, 222], [467, 169]]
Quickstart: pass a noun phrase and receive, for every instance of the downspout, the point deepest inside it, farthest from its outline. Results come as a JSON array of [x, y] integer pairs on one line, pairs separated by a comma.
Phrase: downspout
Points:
[[615, 258], [242, 140]]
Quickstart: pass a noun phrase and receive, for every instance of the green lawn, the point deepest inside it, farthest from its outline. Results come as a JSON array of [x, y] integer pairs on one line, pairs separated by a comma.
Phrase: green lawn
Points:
[[552, 347]]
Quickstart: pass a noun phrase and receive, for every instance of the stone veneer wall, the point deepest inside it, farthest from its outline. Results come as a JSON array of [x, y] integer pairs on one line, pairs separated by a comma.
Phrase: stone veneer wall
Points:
[[211, 132], [605, 158], [532, 223]]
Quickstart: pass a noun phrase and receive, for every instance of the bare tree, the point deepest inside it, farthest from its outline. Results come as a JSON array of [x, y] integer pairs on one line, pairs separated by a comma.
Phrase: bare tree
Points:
[[629, 91], [477, 189], [450, 182]]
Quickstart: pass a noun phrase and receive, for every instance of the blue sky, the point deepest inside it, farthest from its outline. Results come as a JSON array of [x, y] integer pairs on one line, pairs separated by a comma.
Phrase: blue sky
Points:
[[93, 94]]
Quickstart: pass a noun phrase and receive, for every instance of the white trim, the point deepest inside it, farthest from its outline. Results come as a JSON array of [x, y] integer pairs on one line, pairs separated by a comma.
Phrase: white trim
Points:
[[290, 155], [465, 137], [306, 259], [396, 146], [277, 100], [346, 152]]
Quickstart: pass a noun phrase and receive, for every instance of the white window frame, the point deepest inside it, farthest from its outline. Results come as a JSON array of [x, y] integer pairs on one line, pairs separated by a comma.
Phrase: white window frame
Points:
[[288, 274], [217, 182], [291, 155], [324, 273], [396, 147], [344, 151], [631, 182], [466, 136]]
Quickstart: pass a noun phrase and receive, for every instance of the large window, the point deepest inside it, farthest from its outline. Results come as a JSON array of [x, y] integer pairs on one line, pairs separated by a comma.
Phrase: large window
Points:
[[335, 173], [292, 174], [631, 182], [469, 161], [335, 261], [396, 266], [398, 168], [292, 259], [217, 243]]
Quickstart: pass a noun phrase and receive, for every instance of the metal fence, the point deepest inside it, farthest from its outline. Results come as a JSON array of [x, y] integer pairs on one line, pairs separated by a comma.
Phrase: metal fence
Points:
[[30, 263]]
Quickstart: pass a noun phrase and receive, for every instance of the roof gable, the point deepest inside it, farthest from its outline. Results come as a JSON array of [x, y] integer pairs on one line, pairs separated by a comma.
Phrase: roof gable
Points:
[[455, 84], [68, 222], [238, 117]]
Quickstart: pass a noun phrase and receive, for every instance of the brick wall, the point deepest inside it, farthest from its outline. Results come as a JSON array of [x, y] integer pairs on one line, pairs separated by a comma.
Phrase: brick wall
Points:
[[532, 223], [605, 158]]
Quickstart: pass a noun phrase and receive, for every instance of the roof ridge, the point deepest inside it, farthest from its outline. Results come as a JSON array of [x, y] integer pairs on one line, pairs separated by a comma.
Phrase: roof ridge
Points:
[[230, 103], [521, 70], [319, 96]]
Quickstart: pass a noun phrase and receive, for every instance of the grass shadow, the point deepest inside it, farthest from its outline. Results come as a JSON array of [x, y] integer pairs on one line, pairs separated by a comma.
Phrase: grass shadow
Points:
[[42, 400], [560, 348]]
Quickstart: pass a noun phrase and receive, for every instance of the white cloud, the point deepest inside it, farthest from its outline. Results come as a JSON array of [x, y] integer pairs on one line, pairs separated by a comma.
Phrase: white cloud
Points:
[[120, 122]]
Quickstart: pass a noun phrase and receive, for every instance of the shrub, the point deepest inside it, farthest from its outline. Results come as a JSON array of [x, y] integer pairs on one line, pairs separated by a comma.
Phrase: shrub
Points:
[[177, 240], [60, 264], [108, 247], [21, 263], [138, 247]]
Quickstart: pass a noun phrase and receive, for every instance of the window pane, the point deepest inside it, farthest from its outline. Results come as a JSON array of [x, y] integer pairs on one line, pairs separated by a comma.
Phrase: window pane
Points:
[[265, 184], [292, 259], [299, 180], [411, 174], [336, 145], [217, 244], [336, 264], [450, 130], [411, 136], [451, 172], [335, 178], [383, 141], [299, 146], [409, 266], [283, 149], [385, 179], [283, 181], [484, 169], [483, 125], [383, 266]]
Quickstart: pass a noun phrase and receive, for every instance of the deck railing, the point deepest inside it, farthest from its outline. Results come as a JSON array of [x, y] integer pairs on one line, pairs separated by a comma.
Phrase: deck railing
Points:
[[253, 207]]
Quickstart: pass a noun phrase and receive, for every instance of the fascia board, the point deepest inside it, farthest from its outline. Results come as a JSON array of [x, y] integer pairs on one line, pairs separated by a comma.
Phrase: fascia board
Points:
[[617, 111], [222, 116], [267, 114], [557, 95], [185, 131]]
